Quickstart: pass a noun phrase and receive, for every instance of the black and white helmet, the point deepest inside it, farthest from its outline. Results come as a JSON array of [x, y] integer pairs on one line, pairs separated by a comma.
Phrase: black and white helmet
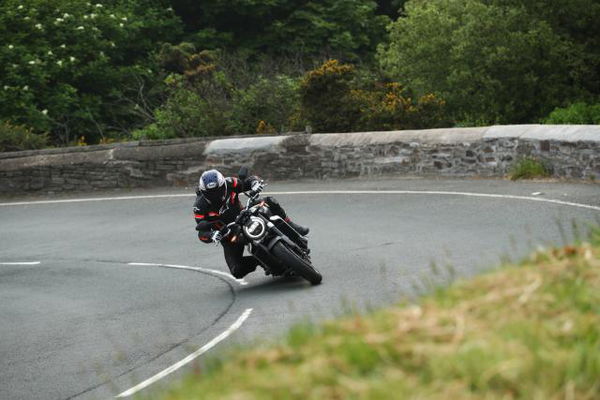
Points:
[[213, 187]]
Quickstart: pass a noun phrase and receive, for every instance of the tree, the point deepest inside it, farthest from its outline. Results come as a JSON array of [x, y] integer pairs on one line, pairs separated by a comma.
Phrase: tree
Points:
[[578, 22], [348, 29], [491, 63], [72, 68]]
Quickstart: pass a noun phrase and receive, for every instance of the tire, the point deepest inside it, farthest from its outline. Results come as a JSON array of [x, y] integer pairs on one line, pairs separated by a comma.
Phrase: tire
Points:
[[297, 263]]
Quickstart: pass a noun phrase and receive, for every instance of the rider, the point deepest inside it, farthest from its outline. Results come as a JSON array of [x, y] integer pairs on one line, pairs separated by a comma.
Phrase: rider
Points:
[[217, 204]]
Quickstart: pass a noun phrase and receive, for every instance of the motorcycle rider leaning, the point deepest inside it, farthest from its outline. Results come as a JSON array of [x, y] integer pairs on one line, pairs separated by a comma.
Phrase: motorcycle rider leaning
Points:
[[217, 204]]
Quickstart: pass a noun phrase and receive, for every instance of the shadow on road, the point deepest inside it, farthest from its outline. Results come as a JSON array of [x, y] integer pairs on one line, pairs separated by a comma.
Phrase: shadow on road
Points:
[[274, 285]]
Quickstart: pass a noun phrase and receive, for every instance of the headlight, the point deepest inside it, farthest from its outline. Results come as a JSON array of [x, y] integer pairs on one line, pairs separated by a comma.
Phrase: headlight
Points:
[[255, 228]]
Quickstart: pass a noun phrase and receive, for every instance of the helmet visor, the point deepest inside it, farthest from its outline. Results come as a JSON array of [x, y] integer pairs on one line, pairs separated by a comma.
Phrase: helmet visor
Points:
[[215, 195]]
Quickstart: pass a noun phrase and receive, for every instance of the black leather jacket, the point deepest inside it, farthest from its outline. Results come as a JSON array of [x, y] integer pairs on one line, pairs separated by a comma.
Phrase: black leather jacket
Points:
[[214, 216]]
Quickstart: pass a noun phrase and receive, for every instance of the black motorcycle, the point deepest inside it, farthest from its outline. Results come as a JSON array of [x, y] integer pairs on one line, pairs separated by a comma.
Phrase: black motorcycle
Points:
[[279, 249]]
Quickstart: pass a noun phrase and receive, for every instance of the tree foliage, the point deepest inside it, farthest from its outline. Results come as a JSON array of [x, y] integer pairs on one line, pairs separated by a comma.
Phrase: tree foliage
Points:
[[73, 68], [168, 68], [349, 29], [335, 97], [492, 63]]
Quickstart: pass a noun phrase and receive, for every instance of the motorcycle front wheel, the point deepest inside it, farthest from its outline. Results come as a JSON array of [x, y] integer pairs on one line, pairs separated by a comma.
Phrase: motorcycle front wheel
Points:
[[297, 263]]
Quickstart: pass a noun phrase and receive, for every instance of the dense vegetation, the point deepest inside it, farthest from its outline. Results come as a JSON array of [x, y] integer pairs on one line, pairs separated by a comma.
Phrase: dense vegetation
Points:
[[74, 71]]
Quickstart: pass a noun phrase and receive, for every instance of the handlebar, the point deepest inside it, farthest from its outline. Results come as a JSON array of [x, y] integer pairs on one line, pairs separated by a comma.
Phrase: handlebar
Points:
[[252, 195]]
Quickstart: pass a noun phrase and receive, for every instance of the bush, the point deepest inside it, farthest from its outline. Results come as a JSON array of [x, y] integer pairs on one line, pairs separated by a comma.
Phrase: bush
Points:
[[19, 137], [273, 101], [326, 98], [578, 113], [528, 168], [337, 98], [391, 107], [187, 114]]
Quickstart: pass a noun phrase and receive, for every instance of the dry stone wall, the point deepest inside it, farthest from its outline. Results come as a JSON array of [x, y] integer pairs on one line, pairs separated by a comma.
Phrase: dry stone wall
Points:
[[572, 151]]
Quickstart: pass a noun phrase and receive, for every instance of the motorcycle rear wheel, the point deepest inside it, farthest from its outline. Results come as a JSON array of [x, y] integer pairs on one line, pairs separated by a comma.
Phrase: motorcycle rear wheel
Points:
[[297, 263]]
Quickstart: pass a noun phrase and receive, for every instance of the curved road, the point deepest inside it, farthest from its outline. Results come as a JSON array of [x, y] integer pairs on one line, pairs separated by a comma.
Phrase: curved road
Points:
[[91, 304]]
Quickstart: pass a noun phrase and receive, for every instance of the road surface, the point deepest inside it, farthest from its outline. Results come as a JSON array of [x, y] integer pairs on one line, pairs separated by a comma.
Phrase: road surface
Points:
[[99, 296]]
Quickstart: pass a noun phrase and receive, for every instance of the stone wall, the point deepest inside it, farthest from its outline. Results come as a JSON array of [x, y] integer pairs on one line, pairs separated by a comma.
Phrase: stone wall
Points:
[[572, 151]]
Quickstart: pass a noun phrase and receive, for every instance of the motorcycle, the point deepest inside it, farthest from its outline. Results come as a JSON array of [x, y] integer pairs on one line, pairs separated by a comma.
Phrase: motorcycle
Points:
[[279, 249]]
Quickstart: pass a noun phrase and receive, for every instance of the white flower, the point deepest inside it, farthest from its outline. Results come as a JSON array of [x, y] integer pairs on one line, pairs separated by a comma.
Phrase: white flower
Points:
[[32, 62], [63, 46], [59, 20], [72, 58], [66, 15], [20, 7], [86, 16], [92, 15], [112, 16], [59, 62], [121, 25], [50, 53], [112, 44], [170, 9], [101, 54], [25, 88], [6, 87], [99, 5], [39, 26], [10, 46], [15, 66], [45, 112], [27, 18], [80, 28], [124, 19]]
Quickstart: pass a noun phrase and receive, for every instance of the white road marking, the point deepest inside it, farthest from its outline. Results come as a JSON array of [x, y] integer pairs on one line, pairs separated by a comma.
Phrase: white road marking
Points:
[[235, 326], [443, 193], [89, 199], [21, 263], [321, 192], [200, 269]]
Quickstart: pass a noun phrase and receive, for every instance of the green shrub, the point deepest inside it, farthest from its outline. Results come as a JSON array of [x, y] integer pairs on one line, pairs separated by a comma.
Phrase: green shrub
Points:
[[528, 168], [337, 98], [391, 107], [326, 98], [274, 101], [19, 137], [577, 113]]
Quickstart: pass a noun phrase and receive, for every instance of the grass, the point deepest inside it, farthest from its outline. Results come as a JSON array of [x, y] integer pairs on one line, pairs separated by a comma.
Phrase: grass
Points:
[[528, 331], [529, 168]]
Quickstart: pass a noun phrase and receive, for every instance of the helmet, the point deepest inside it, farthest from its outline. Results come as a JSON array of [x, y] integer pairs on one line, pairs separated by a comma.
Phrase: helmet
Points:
[[213, 187]]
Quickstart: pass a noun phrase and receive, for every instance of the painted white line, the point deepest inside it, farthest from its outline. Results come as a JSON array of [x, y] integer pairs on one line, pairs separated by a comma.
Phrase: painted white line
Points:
[[443, 193], [322, 192], [199, 269], [21, 263], [235, 326], [90, 199]]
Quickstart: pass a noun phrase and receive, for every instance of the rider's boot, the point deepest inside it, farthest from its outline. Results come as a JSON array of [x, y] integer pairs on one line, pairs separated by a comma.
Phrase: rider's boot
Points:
[[248, 264], [300, 229]]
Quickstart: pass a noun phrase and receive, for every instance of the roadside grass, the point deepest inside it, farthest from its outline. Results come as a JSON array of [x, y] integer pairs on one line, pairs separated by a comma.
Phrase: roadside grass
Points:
[[527, 331], [529, 168]]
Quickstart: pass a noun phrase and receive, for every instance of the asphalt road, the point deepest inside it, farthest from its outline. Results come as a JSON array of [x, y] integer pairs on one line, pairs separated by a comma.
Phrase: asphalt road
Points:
[[86, 323]]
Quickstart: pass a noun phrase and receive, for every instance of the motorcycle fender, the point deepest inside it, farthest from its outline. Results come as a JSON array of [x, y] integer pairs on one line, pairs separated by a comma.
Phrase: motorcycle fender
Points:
[[277, 239]]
